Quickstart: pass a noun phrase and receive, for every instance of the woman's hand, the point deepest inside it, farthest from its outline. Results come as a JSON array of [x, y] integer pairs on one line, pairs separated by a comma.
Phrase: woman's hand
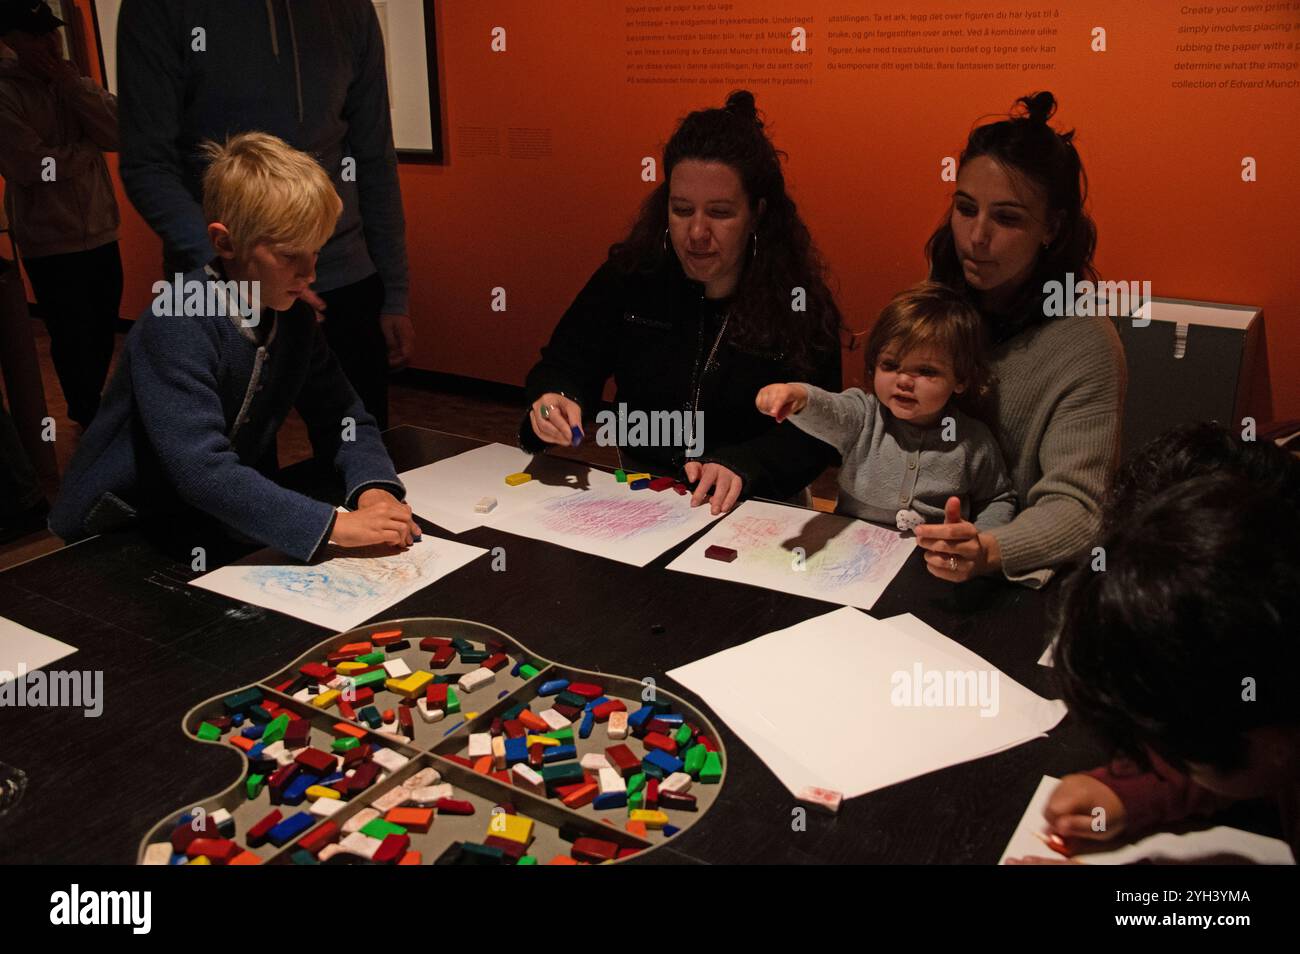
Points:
[[782, 400], [955, 550], [380, 518], [561, 416], [726, 485]]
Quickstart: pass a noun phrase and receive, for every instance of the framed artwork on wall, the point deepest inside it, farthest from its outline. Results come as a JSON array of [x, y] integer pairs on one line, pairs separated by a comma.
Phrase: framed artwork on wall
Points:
[[411, 58]]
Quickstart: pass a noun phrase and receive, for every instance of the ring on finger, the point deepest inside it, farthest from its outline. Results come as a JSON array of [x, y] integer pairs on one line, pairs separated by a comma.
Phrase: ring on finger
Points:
[[544, 410], [952, 563]]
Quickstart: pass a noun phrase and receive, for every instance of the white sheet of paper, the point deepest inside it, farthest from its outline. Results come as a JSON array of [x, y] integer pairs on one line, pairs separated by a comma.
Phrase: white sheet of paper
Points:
[[343, 590], [23, 649], [1219, 845], [446, 491], [611, 520], [859, 740], [843, 560]]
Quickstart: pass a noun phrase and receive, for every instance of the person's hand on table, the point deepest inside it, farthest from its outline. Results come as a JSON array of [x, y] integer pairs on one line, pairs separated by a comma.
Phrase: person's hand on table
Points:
[[1069, 816], [725, 485], [380, 518], [399, 335], [554, 417], [782, 400], [955, 550]]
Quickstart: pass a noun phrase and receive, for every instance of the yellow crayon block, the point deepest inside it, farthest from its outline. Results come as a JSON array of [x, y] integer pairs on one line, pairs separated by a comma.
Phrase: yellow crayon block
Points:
[[349, 667], [200, 860], [651, 819], [515, 828], [322, 791], [326, 699], [409, 686], [632, 477], [514, 480], [541, 740], [471, 716]]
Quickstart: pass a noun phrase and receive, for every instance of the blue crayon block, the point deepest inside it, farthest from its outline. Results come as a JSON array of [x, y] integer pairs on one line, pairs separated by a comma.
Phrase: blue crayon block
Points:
[[516, 750], [296, 790], [638, 720], [559, 753], [641, 484], [177, 859], [670, 830], [577, 435], [671, 718], [552, 686], [237, 719], [588, 721], [668, 764], [289, 829], [253, 731], [255, 752], [594, 702], [610, 800], [514, 670], [503, 693]]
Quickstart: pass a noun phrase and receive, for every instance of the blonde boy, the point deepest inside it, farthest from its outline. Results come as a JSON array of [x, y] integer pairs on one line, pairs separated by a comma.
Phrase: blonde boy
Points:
[[212, 368]]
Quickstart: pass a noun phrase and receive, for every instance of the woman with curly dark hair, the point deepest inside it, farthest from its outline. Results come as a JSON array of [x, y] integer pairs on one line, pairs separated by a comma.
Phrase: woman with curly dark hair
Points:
[[1016, 224], [716, 291]]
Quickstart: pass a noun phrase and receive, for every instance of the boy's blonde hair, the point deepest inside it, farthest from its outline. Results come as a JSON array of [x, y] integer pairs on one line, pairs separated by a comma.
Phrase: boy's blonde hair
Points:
[[932, 314], [263, 190]]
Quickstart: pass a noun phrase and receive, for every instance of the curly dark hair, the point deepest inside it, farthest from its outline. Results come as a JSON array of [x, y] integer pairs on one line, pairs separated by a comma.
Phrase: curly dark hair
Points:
[[1024, 143], [787, 259]]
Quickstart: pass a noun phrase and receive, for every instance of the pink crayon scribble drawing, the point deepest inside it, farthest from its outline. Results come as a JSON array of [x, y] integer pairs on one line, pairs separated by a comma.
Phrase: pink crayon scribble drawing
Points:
[[599, 517]]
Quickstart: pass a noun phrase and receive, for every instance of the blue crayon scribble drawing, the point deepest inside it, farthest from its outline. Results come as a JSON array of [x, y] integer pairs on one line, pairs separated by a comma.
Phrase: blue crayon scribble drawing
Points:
[[343, 582]]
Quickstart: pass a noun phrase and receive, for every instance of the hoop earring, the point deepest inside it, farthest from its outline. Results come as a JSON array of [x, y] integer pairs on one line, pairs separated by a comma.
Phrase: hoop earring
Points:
[[665, 243], [754, 253]]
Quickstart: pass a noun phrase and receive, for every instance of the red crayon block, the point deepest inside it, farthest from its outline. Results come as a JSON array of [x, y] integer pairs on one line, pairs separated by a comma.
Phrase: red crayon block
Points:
[[391, 849], [536, 753], [454, 806], [356, 649], [435, 694], [315, 761], [459, 760], [660, 726], [353, 757], [661, 483], [512, 849], [725, 554], [653, 740], [602, 711], [623, 760], [627, 853], [572, 713], [496, 662], [581, 795], [217, 850], [503, 776], [652, 793], [326, 833], [346, 709], [680, 489], [588, 690], [431, 644], [318, 671], [283, 686], [594, 850], [442, 657], [256, 836]]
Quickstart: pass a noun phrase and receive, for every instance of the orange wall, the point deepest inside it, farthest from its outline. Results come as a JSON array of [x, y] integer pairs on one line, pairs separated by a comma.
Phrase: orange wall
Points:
[[865, 152]]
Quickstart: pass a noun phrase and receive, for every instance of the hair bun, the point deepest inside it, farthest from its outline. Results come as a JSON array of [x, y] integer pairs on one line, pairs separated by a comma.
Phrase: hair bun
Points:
[[741, 104], [1039, 107]]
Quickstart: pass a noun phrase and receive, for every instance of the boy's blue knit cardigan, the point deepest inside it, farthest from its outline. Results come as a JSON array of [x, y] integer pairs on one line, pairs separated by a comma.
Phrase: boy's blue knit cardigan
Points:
[[190, 417]]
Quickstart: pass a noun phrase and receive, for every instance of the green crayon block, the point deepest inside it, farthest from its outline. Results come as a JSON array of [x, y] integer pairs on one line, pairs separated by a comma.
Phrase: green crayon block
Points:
[[208, 732]]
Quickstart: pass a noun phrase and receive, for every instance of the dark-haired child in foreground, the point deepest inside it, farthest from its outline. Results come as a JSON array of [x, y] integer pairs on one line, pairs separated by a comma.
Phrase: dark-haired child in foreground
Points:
[[190, 417], [910, 455], [1183, 651]]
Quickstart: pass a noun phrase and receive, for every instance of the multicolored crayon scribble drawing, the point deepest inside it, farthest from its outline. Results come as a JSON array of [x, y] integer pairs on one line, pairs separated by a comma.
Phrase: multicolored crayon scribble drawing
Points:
[[617, 516], [856, 554], [343, 582]]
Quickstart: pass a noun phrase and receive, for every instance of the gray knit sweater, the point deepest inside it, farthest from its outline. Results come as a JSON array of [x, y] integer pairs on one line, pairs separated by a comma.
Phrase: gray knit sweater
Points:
[[1059, 400], [892, 465]]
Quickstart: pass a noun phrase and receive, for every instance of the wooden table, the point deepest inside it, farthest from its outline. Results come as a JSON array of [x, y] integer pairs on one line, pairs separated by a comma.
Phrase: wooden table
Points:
[[98, 784]]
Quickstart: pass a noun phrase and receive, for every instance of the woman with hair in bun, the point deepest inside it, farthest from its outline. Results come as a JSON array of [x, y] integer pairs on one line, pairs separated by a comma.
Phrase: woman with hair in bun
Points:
[[1017, 222], [715, 292]]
